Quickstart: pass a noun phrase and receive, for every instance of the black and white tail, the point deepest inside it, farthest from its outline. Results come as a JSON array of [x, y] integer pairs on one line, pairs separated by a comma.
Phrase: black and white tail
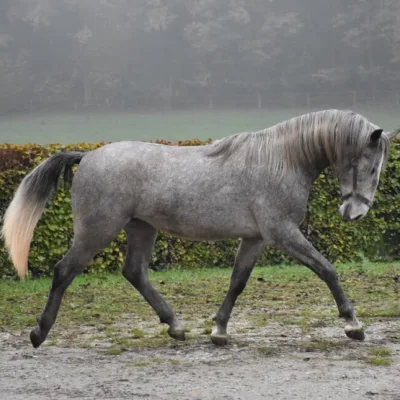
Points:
[[28, 204]]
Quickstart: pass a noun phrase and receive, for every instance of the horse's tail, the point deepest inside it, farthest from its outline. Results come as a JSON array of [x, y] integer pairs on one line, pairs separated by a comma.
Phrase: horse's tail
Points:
[[28, 204]]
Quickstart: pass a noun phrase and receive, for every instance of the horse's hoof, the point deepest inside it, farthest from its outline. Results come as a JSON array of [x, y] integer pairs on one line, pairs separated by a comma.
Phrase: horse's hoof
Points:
[[219, 339], [36, 338], [354, 333], [177, 334]]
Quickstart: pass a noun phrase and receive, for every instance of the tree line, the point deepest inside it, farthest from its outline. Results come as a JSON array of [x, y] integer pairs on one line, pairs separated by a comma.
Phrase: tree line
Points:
[[87, 51]]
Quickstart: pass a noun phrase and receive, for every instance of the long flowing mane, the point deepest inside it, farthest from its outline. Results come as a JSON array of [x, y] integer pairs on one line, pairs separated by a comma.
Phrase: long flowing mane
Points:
[[301, 141]]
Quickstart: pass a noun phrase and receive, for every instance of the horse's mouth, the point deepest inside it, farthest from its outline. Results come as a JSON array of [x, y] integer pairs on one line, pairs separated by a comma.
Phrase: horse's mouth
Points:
[[349, 212]]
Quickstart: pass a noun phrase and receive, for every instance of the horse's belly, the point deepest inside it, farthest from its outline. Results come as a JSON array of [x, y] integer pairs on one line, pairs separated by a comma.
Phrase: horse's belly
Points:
[[208, 208], [206, 229]]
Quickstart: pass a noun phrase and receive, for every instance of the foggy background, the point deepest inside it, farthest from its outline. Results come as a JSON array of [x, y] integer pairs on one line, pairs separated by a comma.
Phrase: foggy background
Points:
[[279, 58]]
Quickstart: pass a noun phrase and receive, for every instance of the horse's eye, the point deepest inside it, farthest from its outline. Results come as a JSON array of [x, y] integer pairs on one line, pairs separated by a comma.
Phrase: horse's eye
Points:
[[372, 171]]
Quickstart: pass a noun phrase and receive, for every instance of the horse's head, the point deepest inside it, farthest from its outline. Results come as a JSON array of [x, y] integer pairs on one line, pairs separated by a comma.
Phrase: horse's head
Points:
[[359, 175]]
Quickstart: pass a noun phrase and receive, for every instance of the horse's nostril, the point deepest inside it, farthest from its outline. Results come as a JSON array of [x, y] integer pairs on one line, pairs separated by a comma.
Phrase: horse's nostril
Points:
[[358, 217]]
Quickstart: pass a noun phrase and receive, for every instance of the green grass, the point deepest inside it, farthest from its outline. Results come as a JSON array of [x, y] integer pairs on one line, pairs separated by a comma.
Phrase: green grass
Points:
[[137, 333], [113, 351], [381, 352], [153, 361], [266, 351], [380, 362], [380, 356], [116, 312], [322, 345], [112, 126]]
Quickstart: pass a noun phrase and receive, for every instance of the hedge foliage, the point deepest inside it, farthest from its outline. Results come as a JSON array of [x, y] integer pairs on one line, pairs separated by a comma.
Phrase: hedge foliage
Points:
[[374, 237]]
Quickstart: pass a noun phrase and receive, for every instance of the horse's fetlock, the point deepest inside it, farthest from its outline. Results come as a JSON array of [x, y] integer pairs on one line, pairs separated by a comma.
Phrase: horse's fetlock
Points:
[[346, 312], [221, 319]]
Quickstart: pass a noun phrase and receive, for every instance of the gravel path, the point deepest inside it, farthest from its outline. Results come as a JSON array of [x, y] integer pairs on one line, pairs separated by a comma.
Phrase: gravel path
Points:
[[261, 367]]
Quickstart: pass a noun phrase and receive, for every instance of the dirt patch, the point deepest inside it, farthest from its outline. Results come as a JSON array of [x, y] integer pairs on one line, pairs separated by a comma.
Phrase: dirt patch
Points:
[[270, 362]]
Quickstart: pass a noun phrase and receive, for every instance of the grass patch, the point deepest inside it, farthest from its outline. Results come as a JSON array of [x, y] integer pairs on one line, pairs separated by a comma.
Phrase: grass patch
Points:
[[94, 127], [392, 310], [287, 295], [380, 361], [380, 357], [137, 333], [267, 351], [113, 351], [380, 352], [153, 361], [208, 325], [138, 364], [322, 346]]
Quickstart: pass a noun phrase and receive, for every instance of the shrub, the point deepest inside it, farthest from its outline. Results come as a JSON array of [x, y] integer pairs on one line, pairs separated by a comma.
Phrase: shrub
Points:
[[374, 237]]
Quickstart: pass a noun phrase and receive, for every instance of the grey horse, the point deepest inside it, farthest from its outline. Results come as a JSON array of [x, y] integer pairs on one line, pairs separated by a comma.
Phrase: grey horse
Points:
[[251, 185]]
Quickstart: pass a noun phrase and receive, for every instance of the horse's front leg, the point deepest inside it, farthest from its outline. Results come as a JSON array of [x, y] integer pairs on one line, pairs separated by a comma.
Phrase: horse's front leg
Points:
[[247, 255], [291, 241]]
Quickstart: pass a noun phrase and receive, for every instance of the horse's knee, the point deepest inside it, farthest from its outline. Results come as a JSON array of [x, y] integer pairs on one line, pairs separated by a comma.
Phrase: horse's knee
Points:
[[135, 276], [71, 265], [329, 275], [62, 273]]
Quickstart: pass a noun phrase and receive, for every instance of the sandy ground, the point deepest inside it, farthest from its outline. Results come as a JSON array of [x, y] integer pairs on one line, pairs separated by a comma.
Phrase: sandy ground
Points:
[[272, 364]]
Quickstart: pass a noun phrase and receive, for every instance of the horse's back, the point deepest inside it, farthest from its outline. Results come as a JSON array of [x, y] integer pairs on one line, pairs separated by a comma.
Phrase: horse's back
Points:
[[175, 189]]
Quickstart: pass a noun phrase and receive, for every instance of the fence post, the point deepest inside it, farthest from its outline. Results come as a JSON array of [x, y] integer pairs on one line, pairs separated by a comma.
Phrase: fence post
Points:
[[259, 101], [210, 102]]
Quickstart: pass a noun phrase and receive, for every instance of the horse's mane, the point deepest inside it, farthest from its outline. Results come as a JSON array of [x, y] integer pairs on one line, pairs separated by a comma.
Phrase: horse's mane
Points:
[[327, 134]]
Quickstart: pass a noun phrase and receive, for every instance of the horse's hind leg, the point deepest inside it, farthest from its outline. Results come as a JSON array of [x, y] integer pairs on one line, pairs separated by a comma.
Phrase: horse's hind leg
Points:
[[88, 241], [64, 273], [247, 255], [141, 238]]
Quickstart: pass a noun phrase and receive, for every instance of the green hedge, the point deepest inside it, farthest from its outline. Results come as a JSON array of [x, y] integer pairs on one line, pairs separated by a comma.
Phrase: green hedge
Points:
[[375, 237]]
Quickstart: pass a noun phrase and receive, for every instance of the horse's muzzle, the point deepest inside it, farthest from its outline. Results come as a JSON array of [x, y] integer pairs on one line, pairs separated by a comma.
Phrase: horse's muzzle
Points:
[[353, 211]]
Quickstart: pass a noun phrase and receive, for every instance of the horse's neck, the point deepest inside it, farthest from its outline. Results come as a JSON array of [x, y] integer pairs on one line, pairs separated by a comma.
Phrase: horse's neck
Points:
[[306, 168]]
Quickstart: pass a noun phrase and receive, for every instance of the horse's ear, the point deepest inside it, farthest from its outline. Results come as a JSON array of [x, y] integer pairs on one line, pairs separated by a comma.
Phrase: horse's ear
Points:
[[391, 135], [376, 134]]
